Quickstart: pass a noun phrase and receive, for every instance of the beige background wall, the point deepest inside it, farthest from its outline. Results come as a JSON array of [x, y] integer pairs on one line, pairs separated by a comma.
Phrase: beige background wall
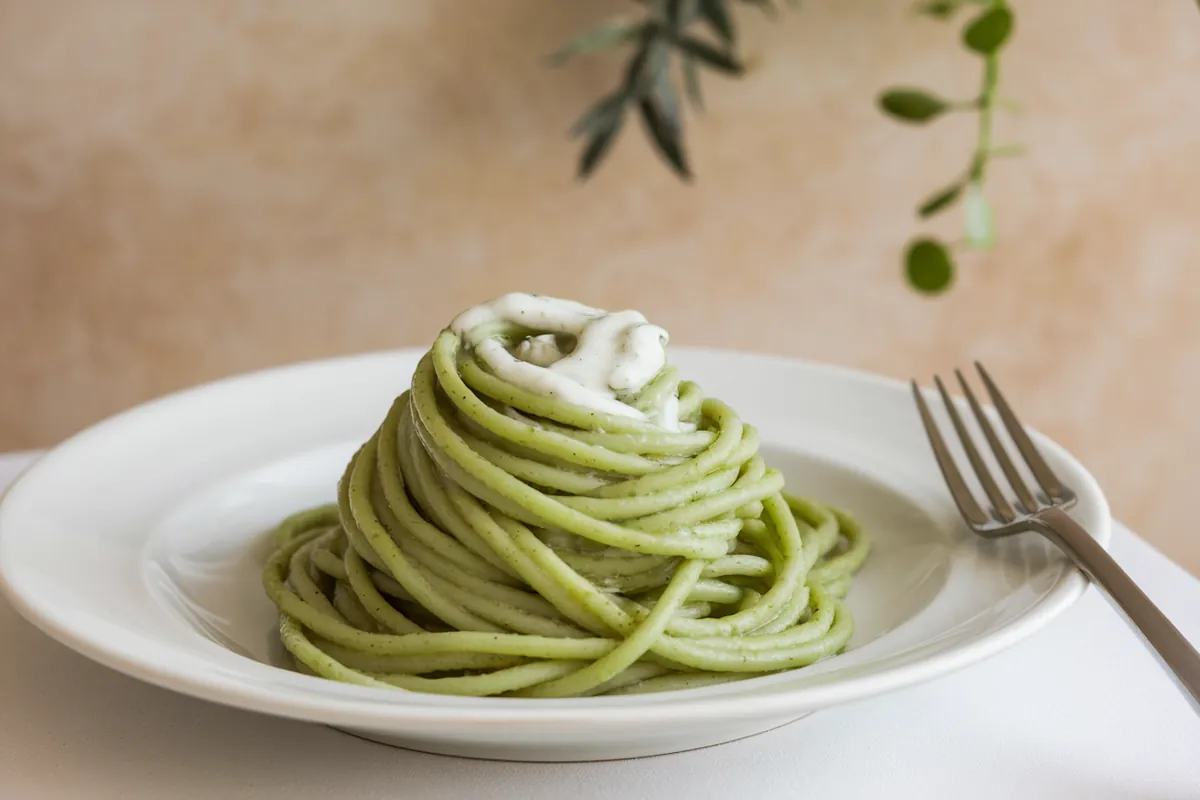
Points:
[[189, 190]]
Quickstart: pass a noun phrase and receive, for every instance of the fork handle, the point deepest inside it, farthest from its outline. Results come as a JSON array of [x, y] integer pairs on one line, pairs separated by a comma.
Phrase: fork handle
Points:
[[1175, 653]]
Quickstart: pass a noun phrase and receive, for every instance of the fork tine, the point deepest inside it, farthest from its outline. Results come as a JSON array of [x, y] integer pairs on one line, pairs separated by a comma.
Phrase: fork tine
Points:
[[999, 502], [1041, 470], [1010, 471], [958, 488]]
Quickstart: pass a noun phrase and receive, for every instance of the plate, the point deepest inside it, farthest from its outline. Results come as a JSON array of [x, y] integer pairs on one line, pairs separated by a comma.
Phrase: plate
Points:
[[139, 543]]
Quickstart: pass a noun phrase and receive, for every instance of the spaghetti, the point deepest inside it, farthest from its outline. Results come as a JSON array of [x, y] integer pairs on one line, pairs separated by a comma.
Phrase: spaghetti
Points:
[[495, 538]]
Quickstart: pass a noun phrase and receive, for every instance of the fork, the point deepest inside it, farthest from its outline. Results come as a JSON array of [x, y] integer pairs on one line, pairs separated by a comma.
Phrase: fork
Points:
[[1045, 513]]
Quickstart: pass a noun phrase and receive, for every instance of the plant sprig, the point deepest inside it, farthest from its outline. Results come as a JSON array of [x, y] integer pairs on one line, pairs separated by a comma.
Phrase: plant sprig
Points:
[[673, 39], [928, 262], [674, 36]]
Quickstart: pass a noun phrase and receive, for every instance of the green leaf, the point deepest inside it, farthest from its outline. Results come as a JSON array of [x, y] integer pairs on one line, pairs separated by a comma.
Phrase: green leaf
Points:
[[716, 14], [691, 83], [988, 32], [660, 115], [673, 9], [938, 9], [981, 229], [940, 201], [649, 54], [600, 116], [687, 13], [598, 146], [708, 55], [912, 105], [928, 267], [678, 14], [605, 36]]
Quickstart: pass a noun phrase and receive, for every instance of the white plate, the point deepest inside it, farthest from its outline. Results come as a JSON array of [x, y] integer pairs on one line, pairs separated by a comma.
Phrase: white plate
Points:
[[139, 543]]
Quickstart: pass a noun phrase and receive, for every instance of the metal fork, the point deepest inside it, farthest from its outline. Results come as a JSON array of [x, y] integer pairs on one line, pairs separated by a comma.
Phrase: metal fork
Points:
[[1046, 514]]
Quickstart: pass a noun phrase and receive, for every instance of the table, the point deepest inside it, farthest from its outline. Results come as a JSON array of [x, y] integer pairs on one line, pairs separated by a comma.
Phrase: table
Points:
[[1080, 710]]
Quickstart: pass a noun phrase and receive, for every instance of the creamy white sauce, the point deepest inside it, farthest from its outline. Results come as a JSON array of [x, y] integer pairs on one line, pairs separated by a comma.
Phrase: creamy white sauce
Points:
[[668, 415], [539, 350], [614, 353]]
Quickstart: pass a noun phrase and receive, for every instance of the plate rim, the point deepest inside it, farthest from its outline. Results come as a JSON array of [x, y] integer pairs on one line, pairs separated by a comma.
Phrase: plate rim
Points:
[[354, 705]]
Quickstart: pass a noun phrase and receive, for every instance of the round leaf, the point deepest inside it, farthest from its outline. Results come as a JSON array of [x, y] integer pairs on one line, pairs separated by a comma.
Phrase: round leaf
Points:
[[988, 32], [928, 267], [912, 105]]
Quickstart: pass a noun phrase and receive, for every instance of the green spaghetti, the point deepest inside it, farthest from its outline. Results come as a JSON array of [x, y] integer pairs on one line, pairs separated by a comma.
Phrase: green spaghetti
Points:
[[519, 527]]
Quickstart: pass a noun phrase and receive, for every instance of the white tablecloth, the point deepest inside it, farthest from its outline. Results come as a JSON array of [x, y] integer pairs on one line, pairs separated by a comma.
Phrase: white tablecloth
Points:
[[1079, 711]]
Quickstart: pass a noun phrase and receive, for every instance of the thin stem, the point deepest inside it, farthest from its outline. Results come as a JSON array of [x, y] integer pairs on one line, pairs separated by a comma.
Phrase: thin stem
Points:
[[987, 104]]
